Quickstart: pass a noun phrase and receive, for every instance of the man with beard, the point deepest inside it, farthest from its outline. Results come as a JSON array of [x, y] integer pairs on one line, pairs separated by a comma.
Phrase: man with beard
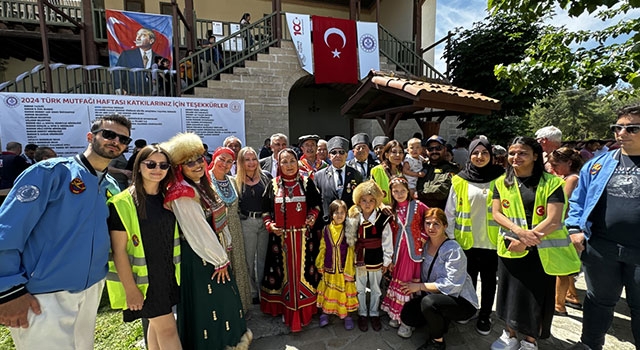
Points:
[[54, 243], [433, 188]]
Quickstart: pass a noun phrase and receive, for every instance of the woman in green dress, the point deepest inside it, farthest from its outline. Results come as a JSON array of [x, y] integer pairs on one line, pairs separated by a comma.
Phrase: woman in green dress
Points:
[[210, 314], [225, 187]]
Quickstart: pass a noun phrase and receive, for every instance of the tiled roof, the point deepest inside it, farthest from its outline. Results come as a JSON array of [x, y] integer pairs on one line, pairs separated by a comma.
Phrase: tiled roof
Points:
[[382, 93]]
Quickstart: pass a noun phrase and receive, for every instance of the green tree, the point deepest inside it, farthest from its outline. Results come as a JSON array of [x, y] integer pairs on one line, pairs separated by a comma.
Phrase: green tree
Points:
[[471, 57], [580, 114], [583, 58]]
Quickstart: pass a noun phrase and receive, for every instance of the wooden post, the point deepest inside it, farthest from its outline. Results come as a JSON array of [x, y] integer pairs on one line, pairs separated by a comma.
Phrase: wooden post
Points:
[[352, 10], [277, 8], [176, 48], [88, 35], [193, 30], [45, 48]]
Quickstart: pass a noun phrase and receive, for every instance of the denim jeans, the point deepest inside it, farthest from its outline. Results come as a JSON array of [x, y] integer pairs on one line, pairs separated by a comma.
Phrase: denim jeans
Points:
[[608, 267]]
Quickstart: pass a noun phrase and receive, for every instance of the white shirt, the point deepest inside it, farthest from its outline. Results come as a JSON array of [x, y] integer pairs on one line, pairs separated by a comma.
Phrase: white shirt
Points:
[[335, 177], [149, 58], [274, 167]]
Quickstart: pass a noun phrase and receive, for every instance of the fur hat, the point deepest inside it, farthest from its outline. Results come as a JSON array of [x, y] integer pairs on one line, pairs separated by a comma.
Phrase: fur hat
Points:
[[380, 141], [369, 187], [184, 147]]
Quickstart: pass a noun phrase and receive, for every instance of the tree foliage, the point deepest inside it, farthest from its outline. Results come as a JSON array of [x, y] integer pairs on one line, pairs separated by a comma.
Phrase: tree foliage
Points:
[[472, 55], [584, 59], [580, 114]]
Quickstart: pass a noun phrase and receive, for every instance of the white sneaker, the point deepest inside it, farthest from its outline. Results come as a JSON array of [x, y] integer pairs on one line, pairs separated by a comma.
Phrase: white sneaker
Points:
[[394, 323], [525, 345], [505, 342], [405, 331]]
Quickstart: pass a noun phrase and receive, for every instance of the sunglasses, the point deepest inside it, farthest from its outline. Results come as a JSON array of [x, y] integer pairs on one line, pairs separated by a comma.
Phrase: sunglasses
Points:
[[338, 151], [152, 165], [435, 148], [193, 163], [111, 135], [631, 128]]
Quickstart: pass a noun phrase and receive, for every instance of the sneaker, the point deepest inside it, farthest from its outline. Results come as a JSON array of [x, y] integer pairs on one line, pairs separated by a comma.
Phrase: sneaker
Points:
[[580, 346], [505, 342], [405, 331], [433, 345], [483, 325], [467, 320], [525, 345], [394, 323]]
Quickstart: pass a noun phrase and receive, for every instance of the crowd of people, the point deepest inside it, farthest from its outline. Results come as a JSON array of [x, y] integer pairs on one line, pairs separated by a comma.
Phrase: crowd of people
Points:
[[312, 229]]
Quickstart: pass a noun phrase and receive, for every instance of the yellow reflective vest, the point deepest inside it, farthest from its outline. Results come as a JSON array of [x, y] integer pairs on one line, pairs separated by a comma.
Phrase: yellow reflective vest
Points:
[[123, 202], [462, 229], [557, 254]]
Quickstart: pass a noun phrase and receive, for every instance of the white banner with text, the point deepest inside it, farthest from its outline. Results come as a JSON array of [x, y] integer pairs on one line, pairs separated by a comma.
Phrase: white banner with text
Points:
[[61, 121]]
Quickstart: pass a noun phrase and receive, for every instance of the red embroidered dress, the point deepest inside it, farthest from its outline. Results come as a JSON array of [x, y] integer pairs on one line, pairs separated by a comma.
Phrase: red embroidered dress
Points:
[[288, 287]]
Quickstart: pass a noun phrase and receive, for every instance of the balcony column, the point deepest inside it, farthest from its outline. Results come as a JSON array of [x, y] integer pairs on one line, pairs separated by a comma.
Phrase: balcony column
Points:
[[352, 10], [188, 4], [88, 35], [276, 6], [417, 30]]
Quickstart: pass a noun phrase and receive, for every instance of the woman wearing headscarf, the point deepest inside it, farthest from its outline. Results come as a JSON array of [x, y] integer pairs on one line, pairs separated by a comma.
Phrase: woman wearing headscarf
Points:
[[210, 314], [291, 204], [469, 207], [221, 162]]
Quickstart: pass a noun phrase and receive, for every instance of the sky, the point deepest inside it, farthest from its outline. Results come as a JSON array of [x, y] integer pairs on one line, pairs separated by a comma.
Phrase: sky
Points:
[[451, 14]]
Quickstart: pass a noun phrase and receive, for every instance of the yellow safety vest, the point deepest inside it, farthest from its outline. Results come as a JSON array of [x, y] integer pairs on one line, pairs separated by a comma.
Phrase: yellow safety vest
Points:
[[123, 202], [462, 229], [557, 254]]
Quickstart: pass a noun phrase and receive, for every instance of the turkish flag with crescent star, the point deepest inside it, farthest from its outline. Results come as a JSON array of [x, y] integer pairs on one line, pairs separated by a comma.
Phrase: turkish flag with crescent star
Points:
[[335, 52]]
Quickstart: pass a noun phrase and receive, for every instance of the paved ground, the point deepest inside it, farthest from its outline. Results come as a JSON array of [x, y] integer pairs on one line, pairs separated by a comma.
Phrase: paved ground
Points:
[[271, 334]]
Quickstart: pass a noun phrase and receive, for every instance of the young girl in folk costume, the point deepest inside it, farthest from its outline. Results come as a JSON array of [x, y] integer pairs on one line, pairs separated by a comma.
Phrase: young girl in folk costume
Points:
[[408, 242], [337, 290], [373, 250]]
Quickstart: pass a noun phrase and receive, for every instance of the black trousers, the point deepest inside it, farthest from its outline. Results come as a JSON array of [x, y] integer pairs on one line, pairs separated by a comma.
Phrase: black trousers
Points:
[[483, 262], [436, 311]]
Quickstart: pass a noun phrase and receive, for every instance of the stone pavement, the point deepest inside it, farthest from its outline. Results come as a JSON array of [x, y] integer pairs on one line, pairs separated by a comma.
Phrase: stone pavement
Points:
[[271, 334]]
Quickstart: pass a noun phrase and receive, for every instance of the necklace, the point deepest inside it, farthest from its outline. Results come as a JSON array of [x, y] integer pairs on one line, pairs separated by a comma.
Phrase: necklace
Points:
[[252, 178], [226, 191], [290, 189]]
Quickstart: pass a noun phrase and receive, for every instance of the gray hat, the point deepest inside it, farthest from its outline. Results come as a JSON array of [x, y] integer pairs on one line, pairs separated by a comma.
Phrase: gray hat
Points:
[[337, 142], [304, 138], [380, 141], [360, 138]]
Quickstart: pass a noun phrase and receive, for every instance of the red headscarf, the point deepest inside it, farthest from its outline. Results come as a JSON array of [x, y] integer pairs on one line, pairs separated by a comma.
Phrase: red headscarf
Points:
[[218, 152]]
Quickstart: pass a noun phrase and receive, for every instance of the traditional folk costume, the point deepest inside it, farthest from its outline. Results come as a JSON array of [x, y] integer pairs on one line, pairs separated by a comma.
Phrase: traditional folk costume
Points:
[[290, 276], [374, 249], [337, 293], [210, 314], [408, 242]]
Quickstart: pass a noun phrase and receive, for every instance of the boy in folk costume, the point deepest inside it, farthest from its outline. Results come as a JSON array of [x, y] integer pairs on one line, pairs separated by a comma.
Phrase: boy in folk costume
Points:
[[373, 250]]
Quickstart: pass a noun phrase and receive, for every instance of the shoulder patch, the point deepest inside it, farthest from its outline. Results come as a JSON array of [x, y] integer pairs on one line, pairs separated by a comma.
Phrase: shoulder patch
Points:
[[595, 168], [27, 193]]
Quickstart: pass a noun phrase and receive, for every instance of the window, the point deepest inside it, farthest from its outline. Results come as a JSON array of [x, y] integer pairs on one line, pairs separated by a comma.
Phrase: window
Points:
[[134, 5], [166, 8]]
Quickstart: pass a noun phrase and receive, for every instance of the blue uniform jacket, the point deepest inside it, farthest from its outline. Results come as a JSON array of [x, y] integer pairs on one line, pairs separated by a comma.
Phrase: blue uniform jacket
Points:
[[594, 176], [53, 228]]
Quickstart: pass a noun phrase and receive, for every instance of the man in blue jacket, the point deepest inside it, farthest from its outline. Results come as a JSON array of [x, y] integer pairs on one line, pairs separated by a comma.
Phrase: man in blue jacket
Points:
[[54, 243], [603, 222]]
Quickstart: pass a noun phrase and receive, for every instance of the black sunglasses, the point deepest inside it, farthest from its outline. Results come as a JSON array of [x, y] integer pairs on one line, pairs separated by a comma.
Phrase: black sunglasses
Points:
[[193, 163], [631, 128], [110, 135], [338, 151], [435, 148], [152, 165]]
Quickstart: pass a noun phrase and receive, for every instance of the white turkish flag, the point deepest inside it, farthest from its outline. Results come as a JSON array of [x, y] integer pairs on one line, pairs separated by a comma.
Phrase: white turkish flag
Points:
[[368, 47], [300, 30]]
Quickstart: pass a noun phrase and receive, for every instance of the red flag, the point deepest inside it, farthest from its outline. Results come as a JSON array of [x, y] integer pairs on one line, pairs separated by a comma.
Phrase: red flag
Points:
[[335, 54]]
